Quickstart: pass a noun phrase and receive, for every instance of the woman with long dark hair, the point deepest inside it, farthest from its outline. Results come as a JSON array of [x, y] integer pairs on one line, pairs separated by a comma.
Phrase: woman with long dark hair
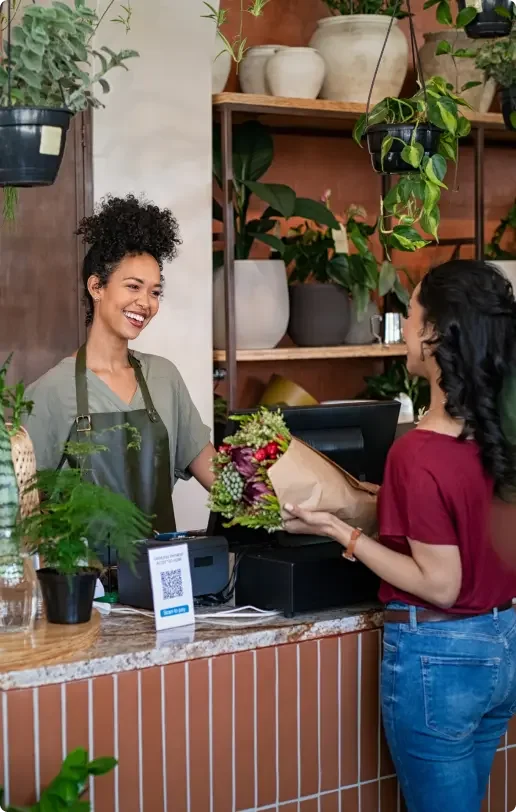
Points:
[[449, 662]]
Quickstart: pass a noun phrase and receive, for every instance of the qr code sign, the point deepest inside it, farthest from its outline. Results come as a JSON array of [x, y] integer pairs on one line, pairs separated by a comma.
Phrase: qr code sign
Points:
[[172, 584]]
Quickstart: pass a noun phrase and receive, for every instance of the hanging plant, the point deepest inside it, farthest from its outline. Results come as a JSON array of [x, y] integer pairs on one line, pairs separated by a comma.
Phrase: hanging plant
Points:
[[238, 47], [49, 71], [487, 19], [498, 61], [414, 138]]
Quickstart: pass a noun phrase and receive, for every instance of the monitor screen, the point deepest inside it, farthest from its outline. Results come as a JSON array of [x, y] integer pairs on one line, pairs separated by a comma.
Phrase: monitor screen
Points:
[[356, 435]]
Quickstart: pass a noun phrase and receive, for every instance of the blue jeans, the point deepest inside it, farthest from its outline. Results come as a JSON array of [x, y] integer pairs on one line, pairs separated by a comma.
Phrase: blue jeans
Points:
[[448, 693]]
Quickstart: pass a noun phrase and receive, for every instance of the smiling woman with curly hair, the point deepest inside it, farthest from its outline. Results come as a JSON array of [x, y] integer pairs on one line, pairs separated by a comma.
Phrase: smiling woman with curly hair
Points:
[[109, 394]]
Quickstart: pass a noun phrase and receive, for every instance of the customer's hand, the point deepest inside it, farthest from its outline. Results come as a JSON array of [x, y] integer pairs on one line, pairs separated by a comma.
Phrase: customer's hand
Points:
[[309, 522]]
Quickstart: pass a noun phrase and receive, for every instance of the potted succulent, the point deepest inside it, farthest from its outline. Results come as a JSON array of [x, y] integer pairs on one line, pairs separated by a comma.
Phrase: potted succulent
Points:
[[333, 275], [414, 138], [262, 281], [77, 518], [498, 61], [18, 586], [349, 41], [66, 789], [486, 19], [49, 71]]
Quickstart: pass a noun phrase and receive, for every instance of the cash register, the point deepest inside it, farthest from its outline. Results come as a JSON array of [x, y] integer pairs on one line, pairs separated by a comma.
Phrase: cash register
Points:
[[304, 573]]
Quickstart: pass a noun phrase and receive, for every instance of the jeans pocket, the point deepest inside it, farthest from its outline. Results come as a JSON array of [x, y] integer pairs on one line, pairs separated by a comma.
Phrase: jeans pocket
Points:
[[457, 693]]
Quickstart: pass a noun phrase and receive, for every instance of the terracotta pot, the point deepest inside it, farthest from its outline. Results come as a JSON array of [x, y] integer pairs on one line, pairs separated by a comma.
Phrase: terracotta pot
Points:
[[458, 72], [262, 307], [251, 72], [221, 66], [350, 46], [295, 73], [319, 315]]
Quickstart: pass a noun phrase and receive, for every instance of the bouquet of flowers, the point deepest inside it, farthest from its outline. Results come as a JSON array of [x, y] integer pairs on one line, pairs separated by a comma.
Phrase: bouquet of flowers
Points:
[[262, 467]]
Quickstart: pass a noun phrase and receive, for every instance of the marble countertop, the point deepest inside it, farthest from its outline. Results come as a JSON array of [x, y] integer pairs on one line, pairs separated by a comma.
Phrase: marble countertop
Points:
[[128, 642]]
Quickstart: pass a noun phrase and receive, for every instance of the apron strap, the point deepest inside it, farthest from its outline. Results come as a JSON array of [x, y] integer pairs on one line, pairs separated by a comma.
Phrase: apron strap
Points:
[[83, 419], [144, 389]]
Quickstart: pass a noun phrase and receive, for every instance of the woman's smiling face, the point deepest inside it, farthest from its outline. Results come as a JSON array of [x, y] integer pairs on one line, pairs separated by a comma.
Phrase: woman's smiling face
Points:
[[130, 298]]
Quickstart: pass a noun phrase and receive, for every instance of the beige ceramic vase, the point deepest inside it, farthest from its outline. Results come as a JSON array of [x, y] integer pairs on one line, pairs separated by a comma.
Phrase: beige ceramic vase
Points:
[[350, 46], [459, 71]]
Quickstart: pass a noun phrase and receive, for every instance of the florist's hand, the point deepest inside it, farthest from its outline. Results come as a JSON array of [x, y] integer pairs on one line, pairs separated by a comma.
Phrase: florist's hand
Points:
[[308, 522]]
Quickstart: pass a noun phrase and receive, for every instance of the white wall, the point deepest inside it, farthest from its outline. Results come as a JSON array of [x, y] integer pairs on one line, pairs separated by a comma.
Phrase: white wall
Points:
[[154, 136]]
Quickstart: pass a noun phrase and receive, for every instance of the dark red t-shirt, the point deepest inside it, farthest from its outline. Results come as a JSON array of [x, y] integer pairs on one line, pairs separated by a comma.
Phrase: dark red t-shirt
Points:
[[436, 491]]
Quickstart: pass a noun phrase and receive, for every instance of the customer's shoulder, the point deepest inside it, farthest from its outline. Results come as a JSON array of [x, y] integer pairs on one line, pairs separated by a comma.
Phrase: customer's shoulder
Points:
[[425, 450]]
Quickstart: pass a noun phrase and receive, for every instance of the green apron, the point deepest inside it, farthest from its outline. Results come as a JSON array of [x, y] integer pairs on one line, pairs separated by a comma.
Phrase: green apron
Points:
[[142, 475]]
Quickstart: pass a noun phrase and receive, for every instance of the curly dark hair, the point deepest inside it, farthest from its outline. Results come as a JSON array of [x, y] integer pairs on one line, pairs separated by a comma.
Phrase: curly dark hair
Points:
[[120, 227], [471, 308]]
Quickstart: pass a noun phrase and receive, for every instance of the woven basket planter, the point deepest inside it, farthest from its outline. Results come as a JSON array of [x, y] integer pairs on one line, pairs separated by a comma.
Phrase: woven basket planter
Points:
[[24, 461]]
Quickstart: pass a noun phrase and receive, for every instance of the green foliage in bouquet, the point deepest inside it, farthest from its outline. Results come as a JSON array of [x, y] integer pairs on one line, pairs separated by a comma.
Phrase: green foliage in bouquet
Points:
[[65, 791], [243, 493]]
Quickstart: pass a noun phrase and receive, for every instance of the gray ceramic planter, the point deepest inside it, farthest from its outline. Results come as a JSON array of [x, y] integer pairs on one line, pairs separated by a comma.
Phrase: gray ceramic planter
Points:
[[320, 315]]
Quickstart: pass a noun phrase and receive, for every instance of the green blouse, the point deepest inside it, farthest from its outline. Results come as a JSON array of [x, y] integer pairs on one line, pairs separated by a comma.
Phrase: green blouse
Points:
[[55, 409]]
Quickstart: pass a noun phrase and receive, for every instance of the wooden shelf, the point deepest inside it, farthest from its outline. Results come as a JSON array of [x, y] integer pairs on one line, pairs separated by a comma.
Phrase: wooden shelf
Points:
[[317, 353], [316, 114]]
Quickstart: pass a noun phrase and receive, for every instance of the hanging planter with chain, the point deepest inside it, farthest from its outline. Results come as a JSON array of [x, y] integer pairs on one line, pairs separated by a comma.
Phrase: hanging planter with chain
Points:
[[481, 19], [48, 72], [414, 138]]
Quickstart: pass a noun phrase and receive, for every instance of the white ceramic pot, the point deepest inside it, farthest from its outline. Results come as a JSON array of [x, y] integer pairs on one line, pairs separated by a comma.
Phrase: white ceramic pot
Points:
[[458, 71], [360, 332], [221, 66], [251, 71], [507, 267], [295, 73], [261, 303], [350, 46]]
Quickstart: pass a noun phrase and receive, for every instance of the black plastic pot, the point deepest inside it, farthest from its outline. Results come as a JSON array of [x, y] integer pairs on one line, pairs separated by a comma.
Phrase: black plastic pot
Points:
[[393, 163], [68, 598], [489, 24], [32, 142], [320, 315], [508, 104]]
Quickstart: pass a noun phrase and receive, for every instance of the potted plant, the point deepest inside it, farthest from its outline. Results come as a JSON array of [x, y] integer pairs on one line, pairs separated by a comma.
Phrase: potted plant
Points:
[[414, 138], [333, 275], [75, 519], [498, 61], [261, 291], [18, 586], [49, 71], [395, 381], [349, 41], [504, 258], [486, 19], [66, 789]]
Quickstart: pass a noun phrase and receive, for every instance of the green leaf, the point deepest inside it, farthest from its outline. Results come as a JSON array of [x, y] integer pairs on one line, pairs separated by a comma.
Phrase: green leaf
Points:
[[443, 47], [406, 238], [448, 147], [430, 221], [431, 196], [466, 16], [470, 85], [28, 76], [443, 13], [358, 239], [401, 292], [101, 766], [512, 119], [503, 12], [430, 3], [282, 198], [386, 145], [269, 239], [64, 789], [252, 151], [359, 129], [449, 118], [464, 127], [388, 276], [413, 154], [435, 170], [313, 210], [465, 53], [339, 271]]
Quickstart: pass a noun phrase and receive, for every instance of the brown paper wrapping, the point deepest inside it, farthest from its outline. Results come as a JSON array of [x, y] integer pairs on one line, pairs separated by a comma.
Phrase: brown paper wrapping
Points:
[[308, 479]]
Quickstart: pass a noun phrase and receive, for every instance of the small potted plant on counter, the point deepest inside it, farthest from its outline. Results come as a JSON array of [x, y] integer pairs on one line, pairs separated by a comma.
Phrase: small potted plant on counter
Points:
[[395, 381], [77, 518], [414, 138], [49, 71], [498, 61], [257, 280], [334, 274]]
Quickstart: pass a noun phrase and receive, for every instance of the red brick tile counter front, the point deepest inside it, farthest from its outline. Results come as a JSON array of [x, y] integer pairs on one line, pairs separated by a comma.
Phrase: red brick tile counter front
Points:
[[291, 726]]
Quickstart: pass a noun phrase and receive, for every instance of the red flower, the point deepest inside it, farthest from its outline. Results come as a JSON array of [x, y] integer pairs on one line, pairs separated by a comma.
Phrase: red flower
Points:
[[260, 455], [272, 450], [224, 449]]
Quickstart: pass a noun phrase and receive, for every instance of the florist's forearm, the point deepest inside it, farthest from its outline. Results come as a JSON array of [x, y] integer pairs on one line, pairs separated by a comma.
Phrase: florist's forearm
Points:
[[402, 571], [200, 468]]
